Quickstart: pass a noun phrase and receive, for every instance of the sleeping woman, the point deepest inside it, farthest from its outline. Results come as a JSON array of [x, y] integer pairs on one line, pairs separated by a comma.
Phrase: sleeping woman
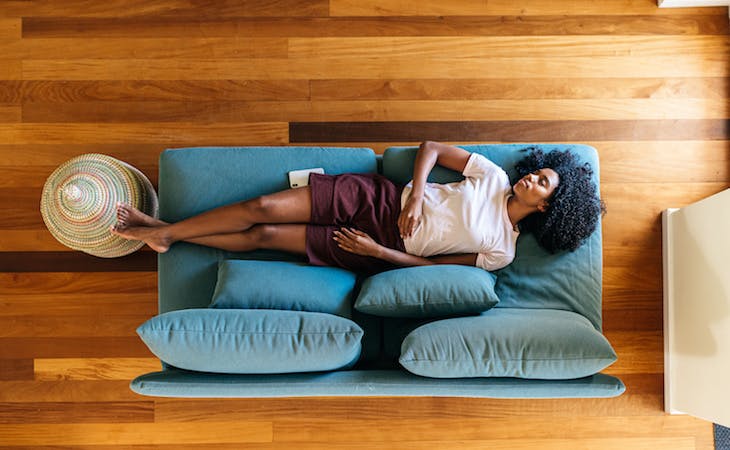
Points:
[[366, 223]]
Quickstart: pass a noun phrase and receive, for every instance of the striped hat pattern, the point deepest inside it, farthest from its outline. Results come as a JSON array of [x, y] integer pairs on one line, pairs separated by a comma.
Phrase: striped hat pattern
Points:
[[79, 201]]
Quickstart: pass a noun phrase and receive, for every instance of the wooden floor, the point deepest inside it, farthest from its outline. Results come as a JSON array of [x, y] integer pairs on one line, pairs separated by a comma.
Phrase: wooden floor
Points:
[[647, 87]]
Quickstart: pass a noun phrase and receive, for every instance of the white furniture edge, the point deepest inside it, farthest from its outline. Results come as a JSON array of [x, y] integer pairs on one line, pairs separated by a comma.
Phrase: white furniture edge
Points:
[[668, 297], [693, 4], [696, 307]]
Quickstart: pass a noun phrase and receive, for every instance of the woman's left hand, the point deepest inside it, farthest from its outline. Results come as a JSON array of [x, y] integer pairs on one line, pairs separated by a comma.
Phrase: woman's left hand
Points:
[[358, 242]]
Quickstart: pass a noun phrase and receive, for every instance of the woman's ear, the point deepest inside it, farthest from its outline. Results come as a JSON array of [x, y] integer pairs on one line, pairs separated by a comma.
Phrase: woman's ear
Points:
[[543, 206]]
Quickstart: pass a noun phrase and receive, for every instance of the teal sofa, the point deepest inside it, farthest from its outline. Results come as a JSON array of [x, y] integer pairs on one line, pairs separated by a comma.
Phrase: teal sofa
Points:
[[549, 297]]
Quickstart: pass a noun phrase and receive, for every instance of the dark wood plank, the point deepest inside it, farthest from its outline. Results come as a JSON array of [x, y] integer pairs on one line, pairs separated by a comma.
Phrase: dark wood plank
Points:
[[15, 369], [60, 305], [72, 412], [89, 325], [73, 347], [36, 27], [50, 283], [74, 261], [512, 131], [181, 48], [634, 319], [166, 8], [79, 391]]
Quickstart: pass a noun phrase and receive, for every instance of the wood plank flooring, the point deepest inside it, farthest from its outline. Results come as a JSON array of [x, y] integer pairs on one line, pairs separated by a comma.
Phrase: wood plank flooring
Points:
[[647, 87]]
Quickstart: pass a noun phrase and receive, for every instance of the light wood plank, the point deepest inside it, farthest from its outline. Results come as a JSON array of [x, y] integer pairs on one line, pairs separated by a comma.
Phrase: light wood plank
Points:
[[413, 408], [503, 7], [518, 88], [53, 155], [149, 48], [484, 444], [504, 46], [11, 69], [133, 133], [93, 368], [686, 161], [467, 429], [634, 209], [136, 433], [681, 65], [10, 28], [154, 90]]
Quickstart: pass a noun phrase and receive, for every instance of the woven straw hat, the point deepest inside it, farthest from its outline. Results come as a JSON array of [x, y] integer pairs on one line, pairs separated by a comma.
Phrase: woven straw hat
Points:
[[79, 201]]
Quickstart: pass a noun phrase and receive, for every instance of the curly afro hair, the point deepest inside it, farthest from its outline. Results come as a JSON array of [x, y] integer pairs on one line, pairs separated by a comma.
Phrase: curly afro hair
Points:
[[573, 209]]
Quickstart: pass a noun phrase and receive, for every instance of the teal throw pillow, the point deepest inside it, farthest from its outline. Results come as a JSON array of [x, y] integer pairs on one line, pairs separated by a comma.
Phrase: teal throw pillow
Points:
[[291, 286], [505, 342], [428, 291], [252, 341]]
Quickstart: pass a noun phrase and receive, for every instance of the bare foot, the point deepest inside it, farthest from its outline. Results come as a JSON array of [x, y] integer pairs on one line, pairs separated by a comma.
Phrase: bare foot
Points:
[[152, 236], [133, 224], [129, 216]]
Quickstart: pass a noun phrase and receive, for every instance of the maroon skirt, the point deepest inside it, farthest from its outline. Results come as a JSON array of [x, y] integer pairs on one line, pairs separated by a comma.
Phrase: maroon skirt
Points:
[[366, 202]]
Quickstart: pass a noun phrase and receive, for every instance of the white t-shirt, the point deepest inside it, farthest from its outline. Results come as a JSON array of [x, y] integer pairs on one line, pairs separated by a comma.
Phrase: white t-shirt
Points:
[[467, 217]]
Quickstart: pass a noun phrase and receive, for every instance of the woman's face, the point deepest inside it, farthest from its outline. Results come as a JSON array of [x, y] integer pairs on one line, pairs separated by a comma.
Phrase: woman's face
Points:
[[535, 188]]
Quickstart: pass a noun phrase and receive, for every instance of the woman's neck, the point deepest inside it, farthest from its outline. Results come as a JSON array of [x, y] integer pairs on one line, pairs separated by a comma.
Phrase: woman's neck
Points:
[[516, 211]]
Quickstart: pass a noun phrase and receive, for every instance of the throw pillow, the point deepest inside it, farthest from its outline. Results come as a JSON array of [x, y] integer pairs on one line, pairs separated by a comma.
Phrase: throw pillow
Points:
[[291, 286], [505, 342], [252, 341], [428, 291]]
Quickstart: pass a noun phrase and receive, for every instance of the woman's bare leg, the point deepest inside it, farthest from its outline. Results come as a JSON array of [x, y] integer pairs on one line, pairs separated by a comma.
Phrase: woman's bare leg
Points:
[[289, 238], [290, 206]]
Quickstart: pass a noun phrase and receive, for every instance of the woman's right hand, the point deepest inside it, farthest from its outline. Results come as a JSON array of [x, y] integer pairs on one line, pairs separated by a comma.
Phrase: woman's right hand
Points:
[[410, 216]]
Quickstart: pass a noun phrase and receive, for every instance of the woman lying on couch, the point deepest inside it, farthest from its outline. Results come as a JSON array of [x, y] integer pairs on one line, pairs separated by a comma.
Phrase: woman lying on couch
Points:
[[366, 223]]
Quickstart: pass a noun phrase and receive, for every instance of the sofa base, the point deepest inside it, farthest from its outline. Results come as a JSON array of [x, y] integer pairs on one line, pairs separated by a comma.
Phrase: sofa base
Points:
[[370, 383]]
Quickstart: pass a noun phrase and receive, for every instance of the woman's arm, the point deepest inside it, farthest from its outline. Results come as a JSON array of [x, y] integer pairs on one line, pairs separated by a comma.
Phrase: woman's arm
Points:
[[360, 243], [429, 154]]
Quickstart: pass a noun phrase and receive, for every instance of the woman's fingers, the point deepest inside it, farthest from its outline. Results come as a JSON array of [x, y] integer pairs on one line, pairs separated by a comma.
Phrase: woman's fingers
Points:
[[346, 239]]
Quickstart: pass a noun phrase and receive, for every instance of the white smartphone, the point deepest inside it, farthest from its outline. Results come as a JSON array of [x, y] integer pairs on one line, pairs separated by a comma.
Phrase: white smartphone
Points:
[[300, 178]]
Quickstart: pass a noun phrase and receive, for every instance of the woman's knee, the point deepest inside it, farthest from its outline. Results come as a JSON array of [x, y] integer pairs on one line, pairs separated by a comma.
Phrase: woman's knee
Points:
[[258, 208], [263, 235], [289, 238]]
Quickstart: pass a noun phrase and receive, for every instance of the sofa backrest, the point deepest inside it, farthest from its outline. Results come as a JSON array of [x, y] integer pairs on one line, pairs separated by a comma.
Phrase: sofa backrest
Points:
[[536, 279], [194, 180]]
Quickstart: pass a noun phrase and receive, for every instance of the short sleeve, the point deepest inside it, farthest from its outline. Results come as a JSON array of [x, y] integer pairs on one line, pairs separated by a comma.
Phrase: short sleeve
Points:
[[493, 260], [477, 166]]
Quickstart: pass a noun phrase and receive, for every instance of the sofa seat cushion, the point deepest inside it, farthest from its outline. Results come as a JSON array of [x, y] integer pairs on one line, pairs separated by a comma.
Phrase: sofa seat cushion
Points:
[[505, 342], [283, 285], [428, 291], [248, 341]]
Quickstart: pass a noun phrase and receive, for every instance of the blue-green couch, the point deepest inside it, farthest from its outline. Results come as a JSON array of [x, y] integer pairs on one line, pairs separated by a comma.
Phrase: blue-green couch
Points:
[[194, 180]]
